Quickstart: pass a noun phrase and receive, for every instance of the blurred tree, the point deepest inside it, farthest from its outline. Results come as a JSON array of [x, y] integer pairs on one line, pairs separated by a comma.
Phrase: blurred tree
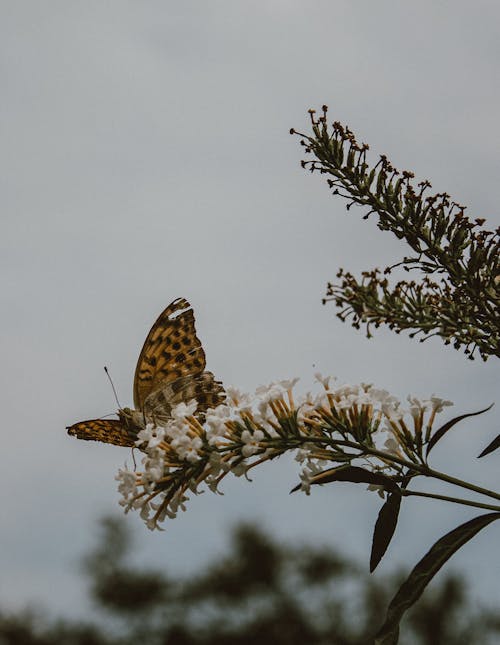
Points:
[[260, 592]]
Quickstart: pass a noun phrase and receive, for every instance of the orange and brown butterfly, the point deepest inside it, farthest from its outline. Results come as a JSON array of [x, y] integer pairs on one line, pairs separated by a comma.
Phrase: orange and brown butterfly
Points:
[[170, 370]]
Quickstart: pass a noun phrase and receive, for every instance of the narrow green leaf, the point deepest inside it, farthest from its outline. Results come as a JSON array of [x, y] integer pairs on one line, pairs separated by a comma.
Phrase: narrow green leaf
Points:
[[439, 434], [352, 474], [491, 447], [413, 587], [384, 528]]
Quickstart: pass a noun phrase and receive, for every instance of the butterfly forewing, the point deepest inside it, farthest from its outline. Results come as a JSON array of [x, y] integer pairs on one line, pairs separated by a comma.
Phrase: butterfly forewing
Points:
[[105, 430], [171, 351]]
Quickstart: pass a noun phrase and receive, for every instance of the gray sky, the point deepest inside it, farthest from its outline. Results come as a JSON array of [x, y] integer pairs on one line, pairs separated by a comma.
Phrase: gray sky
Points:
[[146, 156]]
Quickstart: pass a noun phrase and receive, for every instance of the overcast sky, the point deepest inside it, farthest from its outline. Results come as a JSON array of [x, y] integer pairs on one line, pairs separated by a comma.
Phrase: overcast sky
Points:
[[146, 156]]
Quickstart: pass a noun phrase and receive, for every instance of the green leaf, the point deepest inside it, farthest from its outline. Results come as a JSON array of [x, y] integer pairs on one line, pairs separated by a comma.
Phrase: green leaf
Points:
[[384, 528], [491, 447], [413, 587], [439, 434], [352, 474]]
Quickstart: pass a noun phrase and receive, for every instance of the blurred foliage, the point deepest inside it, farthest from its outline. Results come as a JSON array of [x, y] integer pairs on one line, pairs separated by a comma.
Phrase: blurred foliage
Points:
[[261, 591]]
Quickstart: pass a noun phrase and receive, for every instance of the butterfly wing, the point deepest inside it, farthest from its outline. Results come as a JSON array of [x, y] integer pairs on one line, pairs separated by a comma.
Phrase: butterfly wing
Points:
[[208, 393], [171, 352], [105, 430], [170, 370]]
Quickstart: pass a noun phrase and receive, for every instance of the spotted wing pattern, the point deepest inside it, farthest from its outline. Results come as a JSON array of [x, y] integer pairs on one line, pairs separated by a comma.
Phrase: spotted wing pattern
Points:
[[170, 370], [171, 351], [105, 430]]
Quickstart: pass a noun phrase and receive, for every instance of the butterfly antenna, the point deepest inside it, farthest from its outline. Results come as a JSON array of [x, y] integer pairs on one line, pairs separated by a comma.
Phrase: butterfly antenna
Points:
[[112, 385]]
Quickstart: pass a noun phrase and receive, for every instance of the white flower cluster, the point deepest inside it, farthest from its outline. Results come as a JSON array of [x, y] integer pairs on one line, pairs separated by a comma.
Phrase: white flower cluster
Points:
[[247, 425], [417, 411], [157, 442], [239, 404]]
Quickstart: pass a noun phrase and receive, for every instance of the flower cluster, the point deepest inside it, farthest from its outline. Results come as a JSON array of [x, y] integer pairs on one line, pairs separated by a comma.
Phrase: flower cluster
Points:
[[342, 425], [461, 305]]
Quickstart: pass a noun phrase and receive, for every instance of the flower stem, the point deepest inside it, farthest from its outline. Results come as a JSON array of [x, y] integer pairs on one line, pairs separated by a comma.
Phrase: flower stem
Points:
[[420, 468], [458, 482], [456, 500], [428, 472]]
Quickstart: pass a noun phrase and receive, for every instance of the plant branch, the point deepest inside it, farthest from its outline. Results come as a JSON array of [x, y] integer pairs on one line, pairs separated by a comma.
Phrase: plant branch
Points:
[[462, 307], [422, 469], [446, 498]]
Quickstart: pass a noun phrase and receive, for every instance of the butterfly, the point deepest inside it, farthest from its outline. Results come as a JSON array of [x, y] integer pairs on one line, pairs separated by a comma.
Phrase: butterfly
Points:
[[170, 370]]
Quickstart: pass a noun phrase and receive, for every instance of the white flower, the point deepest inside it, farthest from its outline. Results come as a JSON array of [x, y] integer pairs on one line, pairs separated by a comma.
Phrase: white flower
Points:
[[310, 469], [363, 398], [143, 436], [236, 398], [439, 404], [304, 452], [324, 380], [263, 409], [183, 410], [180, 441], [392, 446], [177, 430], [417, 407], [215, 441], [216, 421], [305, 482], [391, 410], [190, 452], [269, 392], [152, 524], [127, 479], [145, 512], [251, 441], [346, 391], [151, 435], [155, 470], [233, 394], [218, 414], [313, 467], [306, 476], [347, 400], [289, 384], [383, 397]]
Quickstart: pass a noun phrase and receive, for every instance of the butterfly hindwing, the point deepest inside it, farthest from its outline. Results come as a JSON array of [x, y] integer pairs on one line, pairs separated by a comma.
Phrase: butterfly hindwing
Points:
[[171, 351], [208, 393], [106, 430]]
